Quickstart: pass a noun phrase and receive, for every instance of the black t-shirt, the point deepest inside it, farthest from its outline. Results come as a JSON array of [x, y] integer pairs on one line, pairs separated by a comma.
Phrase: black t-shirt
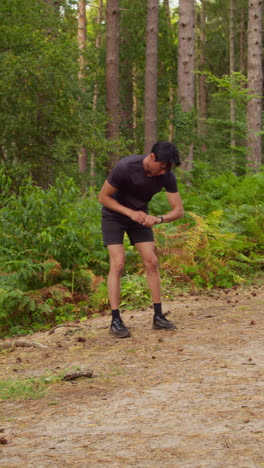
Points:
[[135, 188]]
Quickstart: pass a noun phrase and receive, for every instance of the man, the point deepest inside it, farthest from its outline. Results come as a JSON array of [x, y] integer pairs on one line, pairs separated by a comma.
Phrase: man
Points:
[[125, 196]]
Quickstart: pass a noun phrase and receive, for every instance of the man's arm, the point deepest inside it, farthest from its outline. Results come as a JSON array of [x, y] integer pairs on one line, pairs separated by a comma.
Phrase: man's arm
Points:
[[105, 197], [177, 211]]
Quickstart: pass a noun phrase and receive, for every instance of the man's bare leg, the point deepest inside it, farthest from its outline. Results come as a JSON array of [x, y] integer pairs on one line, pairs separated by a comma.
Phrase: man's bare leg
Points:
[[117, 261], [149, 257]]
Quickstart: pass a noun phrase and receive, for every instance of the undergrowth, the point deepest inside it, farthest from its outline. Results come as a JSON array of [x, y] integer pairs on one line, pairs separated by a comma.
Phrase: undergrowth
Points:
[[54, 265], [27, 389]]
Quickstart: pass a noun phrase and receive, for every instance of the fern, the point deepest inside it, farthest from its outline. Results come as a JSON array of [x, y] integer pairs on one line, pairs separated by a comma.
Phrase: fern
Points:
[[202, 254]]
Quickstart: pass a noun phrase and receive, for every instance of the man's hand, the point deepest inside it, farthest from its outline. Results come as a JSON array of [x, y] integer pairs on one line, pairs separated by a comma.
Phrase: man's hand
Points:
[[151, 220], [138, 216], [146, 220]]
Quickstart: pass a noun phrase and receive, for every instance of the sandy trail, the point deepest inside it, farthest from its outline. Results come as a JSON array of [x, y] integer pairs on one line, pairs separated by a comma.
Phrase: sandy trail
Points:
[[190, 398]]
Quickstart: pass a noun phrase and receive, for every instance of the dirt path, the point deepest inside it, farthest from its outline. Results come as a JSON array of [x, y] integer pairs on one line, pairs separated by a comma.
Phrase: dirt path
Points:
[[192, 398]]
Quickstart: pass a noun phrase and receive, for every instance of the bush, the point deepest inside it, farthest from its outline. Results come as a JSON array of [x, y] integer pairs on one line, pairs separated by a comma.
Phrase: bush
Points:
[[54, 265], [204, 255], [47, 237]]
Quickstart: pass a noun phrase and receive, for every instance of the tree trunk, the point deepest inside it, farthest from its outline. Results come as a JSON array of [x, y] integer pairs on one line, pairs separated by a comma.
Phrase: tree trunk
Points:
[[135, 103], [82, 156], [242, 41], [98, 41], [202, 108], [255, 79], [231, 71], [186, 64], [151, 76], [112, 72], [171, 93]]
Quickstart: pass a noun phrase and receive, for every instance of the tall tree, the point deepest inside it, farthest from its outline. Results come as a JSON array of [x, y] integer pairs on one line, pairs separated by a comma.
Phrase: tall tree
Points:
[[82, 156], [151, 78], [186, 64], [242, 39], [201, 85], [232, 66], [98, 43], [255, 83], [126, 68], [171, 94], [112, 72]]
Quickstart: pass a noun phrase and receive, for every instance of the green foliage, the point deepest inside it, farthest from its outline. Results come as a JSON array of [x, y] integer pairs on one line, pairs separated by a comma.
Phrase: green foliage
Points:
[[167, 71], [16, 309], [232, 86], [44, 115], [47, 238], [134, 291], [227, 224], [31, 388], [47, 114], [216, 47], [99, 297], [183, 124], [38, 222], [39, 100], [201, 255], [54, 265], [219, 129], [132, 67]]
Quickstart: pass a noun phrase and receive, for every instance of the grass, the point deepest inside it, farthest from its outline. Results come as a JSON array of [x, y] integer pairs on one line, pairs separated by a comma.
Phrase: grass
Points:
[[26, 389]]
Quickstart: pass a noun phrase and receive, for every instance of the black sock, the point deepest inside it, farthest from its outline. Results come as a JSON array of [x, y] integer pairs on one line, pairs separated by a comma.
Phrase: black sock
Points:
[[115, 314], [157, 309]]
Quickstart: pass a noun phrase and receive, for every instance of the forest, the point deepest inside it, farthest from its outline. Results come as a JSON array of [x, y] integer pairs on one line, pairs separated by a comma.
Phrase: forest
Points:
[[85, 83]]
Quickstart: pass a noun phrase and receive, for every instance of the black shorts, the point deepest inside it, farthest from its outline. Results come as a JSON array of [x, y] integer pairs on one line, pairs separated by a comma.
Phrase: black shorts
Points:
[[114, 227]]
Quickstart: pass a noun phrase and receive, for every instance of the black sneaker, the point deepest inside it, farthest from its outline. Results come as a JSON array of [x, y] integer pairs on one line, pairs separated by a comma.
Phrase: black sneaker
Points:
[[161, 323], [118, 329]]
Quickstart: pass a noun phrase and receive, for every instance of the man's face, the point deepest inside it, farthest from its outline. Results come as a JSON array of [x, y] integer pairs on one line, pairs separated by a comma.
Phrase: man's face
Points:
[[157, 168]]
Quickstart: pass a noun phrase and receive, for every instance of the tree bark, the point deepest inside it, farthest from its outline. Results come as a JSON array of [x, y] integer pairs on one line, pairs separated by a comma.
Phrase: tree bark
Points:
[[255, 83], [231, 71], [135, 103], [186, 54], [98, 41], [151, 76], [186, 64], [82, 156], [242, 41], [171, 93], [202, 92], [112, 72]]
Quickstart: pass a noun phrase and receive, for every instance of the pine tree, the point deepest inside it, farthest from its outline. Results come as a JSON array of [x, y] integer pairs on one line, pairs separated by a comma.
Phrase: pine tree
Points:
[[255, 83], [150, 99], [112, 72], [186, 64]]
